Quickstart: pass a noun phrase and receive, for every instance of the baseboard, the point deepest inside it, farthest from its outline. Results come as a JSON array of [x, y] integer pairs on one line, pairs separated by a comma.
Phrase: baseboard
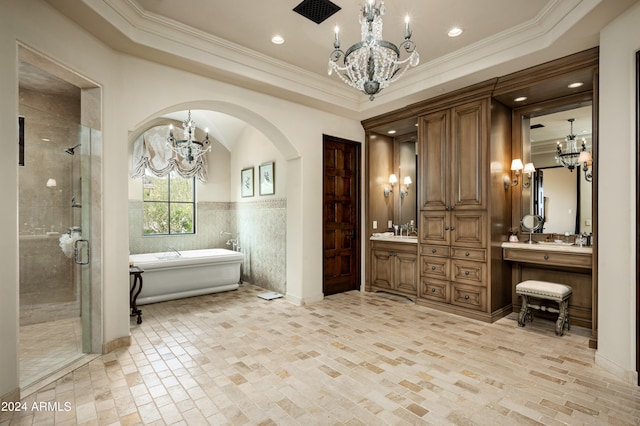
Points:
[[299, 301], [13, 396], [628, 376], [120, 342]]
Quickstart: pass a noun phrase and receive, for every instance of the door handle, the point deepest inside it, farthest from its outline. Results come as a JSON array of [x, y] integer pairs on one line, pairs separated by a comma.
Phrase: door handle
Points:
[[77, 258]]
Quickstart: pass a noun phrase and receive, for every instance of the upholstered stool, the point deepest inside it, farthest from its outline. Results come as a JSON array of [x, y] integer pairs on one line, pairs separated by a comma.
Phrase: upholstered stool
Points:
[[548, 291]]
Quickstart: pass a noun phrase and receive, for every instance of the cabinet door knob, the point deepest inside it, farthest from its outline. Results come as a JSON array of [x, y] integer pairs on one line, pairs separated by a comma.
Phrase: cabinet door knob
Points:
[[466, 254], [453, 228], [466, 273], [433, 290], [433, 250], [433, 268], [446, 228], [546, 257], [466, 297]]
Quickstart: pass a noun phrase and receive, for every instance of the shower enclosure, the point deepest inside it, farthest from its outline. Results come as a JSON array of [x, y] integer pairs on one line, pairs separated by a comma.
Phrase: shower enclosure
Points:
[[55, 224]]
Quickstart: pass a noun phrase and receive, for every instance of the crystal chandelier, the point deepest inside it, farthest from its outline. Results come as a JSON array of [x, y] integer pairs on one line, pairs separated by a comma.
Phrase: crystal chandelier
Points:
[[571, 155], [373, 63], [189, 148]]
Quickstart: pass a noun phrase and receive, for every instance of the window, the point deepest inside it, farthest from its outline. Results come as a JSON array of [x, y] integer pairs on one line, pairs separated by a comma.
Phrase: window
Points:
[[169, 205]]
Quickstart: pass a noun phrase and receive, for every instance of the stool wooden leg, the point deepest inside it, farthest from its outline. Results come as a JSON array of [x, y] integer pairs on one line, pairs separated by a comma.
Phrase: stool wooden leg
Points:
[[523, 310], [563, 317]]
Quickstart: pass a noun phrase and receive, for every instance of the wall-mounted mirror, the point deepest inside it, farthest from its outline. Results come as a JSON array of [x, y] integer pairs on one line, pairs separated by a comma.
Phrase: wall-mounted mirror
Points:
[[407, 179], [560, 194]]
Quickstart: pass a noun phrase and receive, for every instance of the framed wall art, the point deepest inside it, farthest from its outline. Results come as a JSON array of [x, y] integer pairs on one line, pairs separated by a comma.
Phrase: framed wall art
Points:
[[246, 182], [267, 179]]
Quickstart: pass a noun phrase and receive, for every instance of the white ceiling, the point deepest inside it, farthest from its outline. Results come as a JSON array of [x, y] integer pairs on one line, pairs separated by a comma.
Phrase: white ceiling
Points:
[[231, 41]]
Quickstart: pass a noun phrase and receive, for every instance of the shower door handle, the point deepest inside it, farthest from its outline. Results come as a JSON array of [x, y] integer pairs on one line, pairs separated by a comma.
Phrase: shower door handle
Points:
[[77, 257]]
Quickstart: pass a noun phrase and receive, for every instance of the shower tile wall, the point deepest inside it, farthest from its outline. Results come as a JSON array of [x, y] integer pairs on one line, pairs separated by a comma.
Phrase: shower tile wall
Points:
[[48, 290], [262, 228]]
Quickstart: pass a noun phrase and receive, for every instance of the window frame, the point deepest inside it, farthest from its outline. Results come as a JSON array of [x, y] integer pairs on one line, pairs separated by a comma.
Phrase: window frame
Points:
[[168, 203]]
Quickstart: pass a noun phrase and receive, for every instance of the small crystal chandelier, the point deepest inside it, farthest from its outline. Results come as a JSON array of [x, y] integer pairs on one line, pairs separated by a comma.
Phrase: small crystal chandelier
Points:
[[373, 63], [189, 148], [570, 157]]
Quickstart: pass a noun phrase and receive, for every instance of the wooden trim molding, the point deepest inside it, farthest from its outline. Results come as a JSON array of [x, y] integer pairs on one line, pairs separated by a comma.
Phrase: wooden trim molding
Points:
[[638, 215]]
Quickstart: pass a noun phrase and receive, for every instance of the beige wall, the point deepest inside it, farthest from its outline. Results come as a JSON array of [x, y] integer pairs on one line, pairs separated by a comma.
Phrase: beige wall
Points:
[[619, 42], [134, 91]]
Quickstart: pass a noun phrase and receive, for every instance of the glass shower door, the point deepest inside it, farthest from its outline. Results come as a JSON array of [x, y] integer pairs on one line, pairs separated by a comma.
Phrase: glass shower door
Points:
[[82, 246]]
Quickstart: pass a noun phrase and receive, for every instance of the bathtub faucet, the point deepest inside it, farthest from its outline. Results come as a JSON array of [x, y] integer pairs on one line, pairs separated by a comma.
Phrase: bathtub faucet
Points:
[[171, 248], [233, 242]]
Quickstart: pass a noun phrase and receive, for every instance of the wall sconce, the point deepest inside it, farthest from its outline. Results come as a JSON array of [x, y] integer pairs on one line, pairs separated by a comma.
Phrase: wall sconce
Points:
[[405, 191], [529, 169], [393, 179], [587, 160], [51, 182], [516, 165]]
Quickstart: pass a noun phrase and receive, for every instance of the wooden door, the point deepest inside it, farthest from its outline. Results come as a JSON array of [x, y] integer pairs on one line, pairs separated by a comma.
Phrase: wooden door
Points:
[[468, 156], [382, 270], [433, 158], [434, 227], [341, 215]]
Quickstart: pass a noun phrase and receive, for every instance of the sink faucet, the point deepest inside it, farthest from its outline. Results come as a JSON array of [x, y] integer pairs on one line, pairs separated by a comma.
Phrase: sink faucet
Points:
[[171, 248]]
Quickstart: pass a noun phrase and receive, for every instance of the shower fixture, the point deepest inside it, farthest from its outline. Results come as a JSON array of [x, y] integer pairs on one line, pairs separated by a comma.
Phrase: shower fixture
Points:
[[71, 151]]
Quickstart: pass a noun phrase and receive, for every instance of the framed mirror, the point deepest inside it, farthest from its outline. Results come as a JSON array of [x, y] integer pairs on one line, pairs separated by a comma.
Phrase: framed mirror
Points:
[[560, 193], [407, 155]]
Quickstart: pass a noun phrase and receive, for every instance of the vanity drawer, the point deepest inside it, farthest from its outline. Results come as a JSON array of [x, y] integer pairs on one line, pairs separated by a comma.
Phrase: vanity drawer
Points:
[[433, 289], [434, 266], [469, 272], [479, 255], [544, 257], [431, 250], [469, 296]]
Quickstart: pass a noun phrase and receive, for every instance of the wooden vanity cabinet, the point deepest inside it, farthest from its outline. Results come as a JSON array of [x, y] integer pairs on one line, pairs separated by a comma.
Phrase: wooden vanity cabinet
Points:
[[452, 151], [463, 208], [394, 267]]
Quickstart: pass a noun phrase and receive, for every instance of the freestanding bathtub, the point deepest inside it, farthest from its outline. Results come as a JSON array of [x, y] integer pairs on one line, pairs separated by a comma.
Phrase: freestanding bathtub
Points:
[[168, 275]]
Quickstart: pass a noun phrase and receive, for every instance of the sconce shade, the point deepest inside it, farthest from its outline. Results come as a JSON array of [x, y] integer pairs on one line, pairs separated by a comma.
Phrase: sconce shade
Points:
[[529, 168], [585, 157], [407, 180], [517, 164], [393, 178], [51, 183]]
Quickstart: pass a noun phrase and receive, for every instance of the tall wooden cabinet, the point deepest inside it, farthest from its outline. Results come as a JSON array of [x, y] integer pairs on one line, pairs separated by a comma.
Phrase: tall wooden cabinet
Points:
[[464, 150]]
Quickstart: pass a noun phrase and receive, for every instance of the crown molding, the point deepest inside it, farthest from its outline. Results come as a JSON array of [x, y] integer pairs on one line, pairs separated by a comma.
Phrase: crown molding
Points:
[[226, 60]]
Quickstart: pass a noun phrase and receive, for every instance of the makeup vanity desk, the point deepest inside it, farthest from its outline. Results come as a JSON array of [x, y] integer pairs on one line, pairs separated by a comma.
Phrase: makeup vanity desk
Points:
[[559, 263]]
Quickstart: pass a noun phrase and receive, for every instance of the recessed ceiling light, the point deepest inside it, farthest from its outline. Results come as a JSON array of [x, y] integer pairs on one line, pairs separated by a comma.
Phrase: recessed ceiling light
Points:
[[391, 132], [277, 39], [520, 99], [454, 32], [576, 84], [46, 139]]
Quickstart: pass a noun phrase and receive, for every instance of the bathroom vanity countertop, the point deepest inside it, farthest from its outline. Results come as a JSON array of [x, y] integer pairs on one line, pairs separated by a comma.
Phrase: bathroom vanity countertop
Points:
[[548, 246], [395, 238]]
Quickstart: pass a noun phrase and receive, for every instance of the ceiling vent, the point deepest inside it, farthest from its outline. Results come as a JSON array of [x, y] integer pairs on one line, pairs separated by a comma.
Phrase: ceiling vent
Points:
[[316, 10]]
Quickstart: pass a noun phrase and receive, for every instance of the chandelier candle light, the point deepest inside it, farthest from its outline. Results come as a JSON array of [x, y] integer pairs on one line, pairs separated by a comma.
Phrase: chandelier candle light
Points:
[[373, 63], [571, 156], [189, 148]]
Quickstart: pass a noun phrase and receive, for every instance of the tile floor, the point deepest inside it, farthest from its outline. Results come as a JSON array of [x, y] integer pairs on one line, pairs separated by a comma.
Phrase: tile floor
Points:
[[352, 359], [48, 347]]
